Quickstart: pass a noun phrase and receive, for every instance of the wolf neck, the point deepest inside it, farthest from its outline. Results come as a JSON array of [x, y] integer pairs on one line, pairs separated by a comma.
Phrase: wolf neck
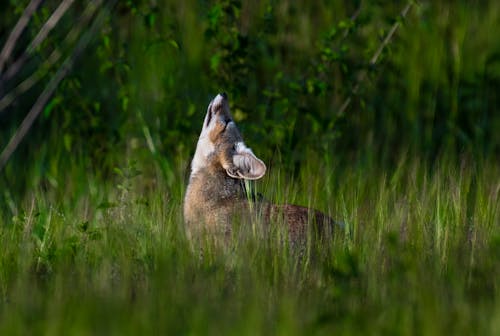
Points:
[[213, 185], [201, 156]]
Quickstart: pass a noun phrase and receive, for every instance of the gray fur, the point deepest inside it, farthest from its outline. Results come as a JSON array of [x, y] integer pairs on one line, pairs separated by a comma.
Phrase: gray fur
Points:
[[215, 196]]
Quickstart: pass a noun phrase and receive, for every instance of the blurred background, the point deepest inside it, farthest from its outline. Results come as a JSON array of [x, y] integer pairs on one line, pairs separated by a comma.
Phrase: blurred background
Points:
[[307, 80]]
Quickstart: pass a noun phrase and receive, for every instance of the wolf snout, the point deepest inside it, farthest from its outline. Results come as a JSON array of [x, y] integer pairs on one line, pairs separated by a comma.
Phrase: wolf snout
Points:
[[220, 103], [219, 100]]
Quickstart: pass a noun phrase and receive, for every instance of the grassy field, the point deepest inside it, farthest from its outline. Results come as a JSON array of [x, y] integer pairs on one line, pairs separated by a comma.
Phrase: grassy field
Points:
[[92, 239], [420, 255]]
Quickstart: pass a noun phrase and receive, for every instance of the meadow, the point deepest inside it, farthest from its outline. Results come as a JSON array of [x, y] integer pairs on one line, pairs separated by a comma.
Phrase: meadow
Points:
[[92, 238], [420, 255]]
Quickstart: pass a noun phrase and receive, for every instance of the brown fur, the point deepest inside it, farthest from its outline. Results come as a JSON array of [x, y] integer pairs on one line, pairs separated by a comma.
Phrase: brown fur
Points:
[[215, 197], [212, 200]]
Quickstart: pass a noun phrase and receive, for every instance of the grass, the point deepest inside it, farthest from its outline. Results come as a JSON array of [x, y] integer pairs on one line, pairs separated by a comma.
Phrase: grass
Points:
[[88, 249], [421, 256]]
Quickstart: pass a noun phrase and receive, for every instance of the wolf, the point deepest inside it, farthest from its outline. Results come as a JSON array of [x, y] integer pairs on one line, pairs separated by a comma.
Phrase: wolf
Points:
[[216, 196]]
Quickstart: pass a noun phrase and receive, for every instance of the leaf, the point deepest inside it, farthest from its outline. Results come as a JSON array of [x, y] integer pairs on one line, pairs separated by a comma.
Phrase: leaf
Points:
[[214, 15], [105, 41], [214, 62], [150, 19], [51, 105], [173, 43], [67, 139], [119, 172], [239, 115]]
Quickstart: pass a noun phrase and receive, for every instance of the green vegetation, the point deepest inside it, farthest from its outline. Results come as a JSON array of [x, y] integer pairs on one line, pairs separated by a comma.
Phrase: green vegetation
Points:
[[91, 232]]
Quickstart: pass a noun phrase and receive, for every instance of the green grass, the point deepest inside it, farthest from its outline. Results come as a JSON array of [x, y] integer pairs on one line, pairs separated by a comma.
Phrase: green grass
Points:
[[421, 255], [91, 233]]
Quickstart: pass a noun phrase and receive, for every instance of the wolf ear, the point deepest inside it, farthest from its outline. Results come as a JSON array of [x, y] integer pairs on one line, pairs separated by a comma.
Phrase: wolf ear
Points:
[[247, 166]]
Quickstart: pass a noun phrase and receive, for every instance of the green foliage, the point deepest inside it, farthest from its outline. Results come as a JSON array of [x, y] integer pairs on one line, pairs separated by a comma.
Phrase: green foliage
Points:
[[288, 67], [90, 204]]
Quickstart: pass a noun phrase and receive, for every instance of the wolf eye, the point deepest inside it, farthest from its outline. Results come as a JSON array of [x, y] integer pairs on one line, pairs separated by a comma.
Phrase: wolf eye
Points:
[[209, 118]]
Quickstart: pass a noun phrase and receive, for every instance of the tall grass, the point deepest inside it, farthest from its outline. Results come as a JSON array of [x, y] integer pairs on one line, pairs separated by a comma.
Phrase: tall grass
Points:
[[91, 233], [421, 254]]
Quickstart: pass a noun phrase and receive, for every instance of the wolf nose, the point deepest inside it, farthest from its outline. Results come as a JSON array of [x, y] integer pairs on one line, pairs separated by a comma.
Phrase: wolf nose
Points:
[[224, 95]]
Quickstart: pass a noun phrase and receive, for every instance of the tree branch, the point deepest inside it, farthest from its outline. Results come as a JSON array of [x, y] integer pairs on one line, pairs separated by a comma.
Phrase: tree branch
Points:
[[70, 38], [42, 34], [375, 57], [48, 91], [16, 32]]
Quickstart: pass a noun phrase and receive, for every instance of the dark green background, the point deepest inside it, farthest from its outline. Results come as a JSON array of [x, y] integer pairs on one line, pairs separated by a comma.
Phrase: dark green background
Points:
[[152, 67], [91, 231]]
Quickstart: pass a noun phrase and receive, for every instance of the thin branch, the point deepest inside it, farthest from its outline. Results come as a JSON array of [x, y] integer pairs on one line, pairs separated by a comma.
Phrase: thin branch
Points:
[[39, 38], [48, 91], [50, 24], [28, 83], [375, 57], [353, 18], [388, 37], [16, 32]]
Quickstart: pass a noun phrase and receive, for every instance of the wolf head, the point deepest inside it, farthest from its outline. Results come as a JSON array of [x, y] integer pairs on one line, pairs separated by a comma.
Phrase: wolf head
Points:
[[221, 143]]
